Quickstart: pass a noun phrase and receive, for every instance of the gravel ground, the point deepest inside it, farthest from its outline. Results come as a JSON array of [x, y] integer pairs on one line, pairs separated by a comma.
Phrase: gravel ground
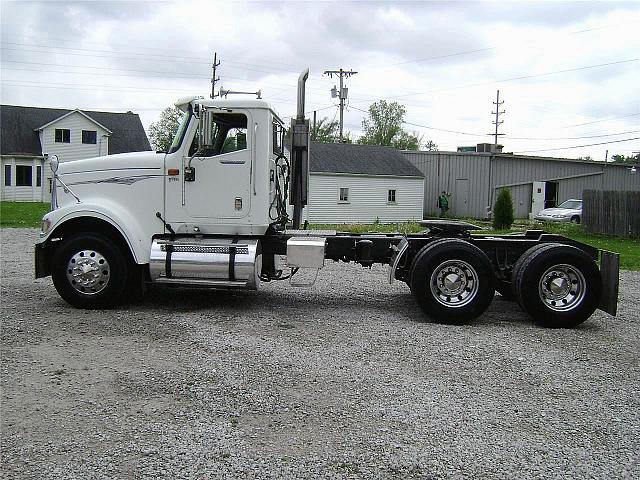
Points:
[[340, 380]]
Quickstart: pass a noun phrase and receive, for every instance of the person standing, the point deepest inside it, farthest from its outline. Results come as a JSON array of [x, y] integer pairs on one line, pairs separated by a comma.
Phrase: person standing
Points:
[[443, 203]]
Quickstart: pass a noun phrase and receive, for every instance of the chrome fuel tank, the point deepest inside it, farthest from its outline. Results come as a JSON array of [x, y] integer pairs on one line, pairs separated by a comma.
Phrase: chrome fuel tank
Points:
[[214, 262]]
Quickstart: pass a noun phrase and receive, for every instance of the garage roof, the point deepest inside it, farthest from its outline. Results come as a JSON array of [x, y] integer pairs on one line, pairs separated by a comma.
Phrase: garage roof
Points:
[[360, 160]]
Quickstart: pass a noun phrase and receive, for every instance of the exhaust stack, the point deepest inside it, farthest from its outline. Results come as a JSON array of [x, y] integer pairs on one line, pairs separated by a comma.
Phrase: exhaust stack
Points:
[[299, 155]]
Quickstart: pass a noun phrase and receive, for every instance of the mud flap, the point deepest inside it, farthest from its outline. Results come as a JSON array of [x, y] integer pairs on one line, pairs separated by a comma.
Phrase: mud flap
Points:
[[398, 252], [610, 273]]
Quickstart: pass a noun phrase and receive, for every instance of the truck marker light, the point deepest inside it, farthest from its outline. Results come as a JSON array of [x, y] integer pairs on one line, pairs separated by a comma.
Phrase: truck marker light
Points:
[[173, 171]]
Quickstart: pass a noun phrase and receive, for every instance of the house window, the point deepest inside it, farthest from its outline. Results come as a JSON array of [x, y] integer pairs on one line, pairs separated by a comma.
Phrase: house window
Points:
[[7, 175], [63, 135], [391, 196], [344, 195], [38, 176], [89, 136], [24, 176]]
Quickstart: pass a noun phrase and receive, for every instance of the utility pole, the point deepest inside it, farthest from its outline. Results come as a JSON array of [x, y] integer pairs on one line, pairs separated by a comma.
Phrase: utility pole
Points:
[[214, 79], [341, 94], [314, 134], [497, 122]]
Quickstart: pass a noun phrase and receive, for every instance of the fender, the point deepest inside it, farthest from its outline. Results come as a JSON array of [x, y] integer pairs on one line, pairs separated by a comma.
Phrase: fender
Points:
[[138, 240]]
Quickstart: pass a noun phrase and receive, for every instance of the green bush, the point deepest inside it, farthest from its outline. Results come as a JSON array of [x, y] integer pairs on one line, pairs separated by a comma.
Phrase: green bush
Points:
[[503, 211]]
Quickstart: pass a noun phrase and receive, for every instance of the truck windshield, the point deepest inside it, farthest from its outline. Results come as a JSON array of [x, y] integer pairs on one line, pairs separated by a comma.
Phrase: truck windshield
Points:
[[177, 140]]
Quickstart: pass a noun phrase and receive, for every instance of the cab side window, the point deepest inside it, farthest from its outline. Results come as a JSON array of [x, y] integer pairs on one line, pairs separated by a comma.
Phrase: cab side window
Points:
[[228, 134]]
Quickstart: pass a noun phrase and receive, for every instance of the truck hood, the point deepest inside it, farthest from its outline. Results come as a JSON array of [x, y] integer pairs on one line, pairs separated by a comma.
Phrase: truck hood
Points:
[[119, 161]]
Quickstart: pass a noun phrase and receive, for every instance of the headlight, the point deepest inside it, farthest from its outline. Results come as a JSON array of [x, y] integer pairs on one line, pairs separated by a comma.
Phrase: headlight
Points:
[[45, 226]]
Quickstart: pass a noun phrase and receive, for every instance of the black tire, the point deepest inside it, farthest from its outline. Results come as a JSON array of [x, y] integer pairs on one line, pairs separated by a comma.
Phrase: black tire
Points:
[[559, 286], [103, 283], [469, 297], [575, 219]]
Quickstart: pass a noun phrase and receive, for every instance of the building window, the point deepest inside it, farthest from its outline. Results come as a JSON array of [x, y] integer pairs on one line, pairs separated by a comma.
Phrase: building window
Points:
[[38, 176], [344, 195], [7, 175], [24, 176], [89, 136], [63, 135], [391, 196]]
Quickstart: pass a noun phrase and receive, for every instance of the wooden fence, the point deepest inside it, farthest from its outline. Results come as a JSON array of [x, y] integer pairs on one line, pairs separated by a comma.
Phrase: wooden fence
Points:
[[611, 212]]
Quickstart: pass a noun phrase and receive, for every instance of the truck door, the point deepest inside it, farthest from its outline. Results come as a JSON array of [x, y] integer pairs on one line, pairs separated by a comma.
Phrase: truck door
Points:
[[219, 187]]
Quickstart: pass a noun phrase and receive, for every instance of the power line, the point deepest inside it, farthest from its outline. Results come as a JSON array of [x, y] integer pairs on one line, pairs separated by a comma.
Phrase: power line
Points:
[[603, 120], [572, 138], [580, 146]]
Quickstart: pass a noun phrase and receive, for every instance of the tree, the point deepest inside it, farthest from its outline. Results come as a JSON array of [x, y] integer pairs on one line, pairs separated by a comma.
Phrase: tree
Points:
[[384, 127], [622, 159], [503, 211], [161, 133], [325, 130], [430, 146]]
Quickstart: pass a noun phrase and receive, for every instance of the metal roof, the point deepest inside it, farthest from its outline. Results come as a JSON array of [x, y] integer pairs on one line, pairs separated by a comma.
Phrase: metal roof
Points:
[[19, 125]]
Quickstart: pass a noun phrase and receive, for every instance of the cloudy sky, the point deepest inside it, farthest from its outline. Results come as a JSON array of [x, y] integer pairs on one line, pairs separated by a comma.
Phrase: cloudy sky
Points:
[[569, 73]]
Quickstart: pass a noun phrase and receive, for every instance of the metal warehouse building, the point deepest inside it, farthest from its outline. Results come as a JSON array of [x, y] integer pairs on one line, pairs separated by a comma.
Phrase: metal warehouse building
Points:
[[474, 179]]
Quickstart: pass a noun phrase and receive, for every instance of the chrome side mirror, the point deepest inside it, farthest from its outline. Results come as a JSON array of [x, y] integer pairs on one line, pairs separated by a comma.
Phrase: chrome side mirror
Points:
[[54, 163]]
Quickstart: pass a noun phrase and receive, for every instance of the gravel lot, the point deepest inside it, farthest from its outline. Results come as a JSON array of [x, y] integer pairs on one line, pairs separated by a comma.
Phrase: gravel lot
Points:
[[340, 380]]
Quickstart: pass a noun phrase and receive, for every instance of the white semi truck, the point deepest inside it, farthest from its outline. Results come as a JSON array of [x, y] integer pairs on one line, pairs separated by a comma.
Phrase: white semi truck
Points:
[[212, 212]]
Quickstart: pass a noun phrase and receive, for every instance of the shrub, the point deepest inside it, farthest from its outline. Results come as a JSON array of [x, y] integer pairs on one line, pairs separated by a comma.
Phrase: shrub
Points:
[[503, 211]]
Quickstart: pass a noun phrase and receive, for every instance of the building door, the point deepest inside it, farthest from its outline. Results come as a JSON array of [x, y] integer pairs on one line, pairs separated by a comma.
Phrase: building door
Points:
[[461, 197], [537, 198], [550, 194]]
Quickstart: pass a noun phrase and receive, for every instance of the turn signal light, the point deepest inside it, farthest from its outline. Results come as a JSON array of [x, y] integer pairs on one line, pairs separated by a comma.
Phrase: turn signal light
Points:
[[173, 171]]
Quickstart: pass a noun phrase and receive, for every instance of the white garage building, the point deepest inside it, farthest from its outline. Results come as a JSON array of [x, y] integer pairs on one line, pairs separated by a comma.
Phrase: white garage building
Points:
[[361, 184]]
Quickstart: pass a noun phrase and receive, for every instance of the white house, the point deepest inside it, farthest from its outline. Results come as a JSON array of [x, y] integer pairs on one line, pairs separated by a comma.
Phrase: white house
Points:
[[351, 183], [29, 134]]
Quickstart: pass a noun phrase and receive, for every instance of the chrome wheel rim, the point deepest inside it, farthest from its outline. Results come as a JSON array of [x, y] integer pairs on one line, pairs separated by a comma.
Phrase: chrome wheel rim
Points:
[[562, 287], [88, 272], [454, 283]]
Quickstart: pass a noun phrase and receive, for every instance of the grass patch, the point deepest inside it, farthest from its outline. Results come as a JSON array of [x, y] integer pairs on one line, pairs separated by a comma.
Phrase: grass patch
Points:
[[628, 248], [22, 214]]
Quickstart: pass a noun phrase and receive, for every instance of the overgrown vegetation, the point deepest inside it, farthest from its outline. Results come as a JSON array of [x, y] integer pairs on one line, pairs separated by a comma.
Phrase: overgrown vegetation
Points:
[[22, 214], [503, 210]]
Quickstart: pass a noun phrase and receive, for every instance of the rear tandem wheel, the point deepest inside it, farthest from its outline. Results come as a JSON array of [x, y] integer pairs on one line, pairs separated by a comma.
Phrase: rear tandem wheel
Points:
[[558, 285], [452, 281]]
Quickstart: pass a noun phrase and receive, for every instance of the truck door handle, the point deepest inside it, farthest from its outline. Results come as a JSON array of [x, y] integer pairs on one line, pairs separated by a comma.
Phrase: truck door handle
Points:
[[253, 157]]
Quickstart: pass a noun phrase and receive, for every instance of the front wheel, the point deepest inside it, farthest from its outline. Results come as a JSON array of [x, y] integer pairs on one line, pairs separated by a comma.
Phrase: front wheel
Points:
[[90, 271], [558, 285], [452, 281]]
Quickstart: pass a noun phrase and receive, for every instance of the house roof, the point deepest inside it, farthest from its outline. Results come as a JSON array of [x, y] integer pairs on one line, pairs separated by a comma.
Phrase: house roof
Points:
[[71, 113], [360, 160], [19, 125]]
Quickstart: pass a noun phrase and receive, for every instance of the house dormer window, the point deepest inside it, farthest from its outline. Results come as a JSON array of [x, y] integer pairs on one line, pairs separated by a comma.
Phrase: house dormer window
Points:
[[63, 135], [89, 136]]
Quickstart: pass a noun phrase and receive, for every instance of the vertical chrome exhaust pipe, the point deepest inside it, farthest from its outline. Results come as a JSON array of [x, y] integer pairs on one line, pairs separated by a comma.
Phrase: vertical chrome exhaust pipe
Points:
[[302, 79]]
